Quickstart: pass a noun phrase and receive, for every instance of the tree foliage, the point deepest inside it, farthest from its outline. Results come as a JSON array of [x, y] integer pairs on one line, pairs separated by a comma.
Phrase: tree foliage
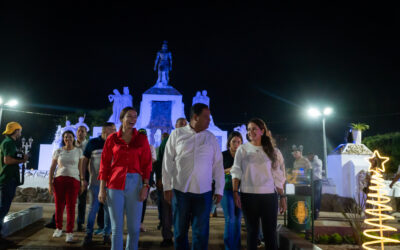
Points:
[[388, 145]]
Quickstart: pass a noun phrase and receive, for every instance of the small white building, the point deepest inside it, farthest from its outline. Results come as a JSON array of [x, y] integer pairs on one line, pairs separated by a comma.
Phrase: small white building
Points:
[[346, 167]]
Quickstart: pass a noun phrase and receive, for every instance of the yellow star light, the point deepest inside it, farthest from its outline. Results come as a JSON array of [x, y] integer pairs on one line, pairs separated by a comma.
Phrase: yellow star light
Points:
[[376, 161]]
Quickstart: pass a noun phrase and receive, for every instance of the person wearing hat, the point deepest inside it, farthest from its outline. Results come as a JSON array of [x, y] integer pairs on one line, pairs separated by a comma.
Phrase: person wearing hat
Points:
[[301, 165], [9, 169]]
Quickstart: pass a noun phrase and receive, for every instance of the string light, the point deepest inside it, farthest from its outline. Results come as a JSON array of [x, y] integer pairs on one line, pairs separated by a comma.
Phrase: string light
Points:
[[377, 198]]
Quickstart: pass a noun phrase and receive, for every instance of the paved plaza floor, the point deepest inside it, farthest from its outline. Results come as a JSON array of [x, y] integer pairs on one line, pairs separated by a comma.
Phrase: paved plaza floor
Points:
[[37, 236]]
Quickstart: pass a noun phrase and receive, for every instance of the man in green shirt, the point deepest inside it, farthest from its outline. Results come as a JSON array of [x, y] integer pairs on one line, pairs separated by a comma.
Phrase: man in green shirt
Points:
[[9, 170]]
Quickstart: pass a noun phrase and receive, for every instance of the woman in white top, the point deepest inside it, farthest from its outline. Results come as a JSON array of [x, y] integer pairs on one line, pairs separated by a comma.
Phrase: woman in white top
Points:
[[258, 168], [65, 186]]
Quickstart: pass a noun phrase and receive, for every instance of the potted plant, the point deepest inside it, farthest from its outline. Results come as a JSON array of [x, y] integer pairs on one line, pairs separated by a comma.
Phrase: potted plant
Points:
[[357, 129]]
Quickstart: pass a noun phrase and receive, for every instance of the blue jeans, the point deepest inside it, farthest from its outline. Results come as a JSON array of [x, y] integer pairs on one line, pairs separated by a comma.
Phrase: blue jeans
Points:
[[93, 209], [7, 193], [317, 197], [233, 216], [127, 200], [194, 207]]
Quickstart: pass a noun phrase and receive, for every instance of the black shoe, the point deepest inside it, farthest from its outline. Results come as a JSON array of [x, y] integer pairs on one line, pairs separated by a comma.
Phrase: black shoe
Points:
[[166, 243], [106, 240], [87, 241], [159, 226], [51, 224], [79, 228]]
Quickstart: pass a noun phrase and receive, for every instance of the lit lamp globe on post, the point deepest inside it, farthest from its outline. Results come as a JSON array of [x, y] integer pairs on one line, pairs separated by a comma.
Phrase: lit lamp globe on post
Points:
[[8, 103]]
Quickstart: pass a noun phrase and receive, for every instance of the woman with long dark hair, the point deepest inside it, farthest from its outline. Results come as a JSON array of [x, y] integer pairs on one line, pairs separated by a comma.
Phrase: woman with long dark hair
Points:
[[125, 169], [257, 168], [232, 213]]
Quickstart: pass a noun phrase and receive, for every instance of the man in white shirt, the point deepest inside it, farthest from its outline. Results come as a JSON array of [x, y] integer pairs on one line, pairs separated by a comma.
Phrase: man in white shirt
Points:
[[316, 165], [192, 160]]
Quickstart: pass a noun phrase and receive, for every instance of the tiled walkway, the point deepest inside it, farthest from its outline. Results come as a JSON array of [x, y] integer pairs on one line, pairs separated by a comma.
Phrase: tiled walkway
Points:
[[37, 236]]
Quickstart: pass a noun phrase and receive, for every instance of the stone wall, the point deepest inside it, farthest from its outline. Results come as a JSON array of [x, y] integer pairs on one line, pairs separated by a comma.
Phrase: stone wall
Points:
[[31, 194]]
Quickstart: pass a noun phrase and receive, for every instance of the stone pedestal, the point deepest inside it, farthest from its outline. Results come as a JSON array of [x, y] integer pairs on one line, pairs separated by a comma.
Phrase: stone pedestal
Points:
[[222, 136], [159, 110], [345, 165]]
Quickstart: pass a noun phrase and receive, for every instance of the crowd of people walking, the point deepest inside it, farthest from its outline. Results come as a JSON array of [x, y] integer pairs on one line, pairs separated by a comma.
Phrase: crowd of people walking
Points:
[[190, 175]]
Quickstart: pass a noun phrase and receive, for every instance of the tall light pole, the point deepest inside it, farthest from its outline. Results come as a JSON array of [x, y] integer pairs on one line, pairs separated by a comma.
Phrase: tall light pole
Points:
[[315, 113], [9, 103]]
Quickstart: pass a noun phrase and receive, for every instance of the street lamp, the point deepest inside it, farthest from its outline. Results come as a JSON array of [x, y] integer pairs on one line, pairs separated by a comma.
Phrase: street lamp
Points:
[[316, 113], [9, 103]]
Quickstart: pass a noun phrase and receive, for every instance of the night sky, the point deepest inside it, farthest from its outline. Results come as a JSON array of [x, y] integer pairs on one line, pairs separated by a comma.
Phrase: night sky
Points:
[[270, 63]]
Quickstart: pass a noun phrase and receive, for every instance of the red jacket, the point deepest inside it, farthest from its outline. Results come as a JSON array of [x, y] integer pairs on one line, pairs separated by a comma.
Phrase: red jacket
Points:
[[119, 158]]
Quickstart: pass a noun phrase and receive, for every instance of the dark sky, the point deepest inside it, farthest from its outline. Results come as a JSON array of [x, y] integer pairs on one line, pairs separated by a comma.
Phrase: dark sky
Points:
[[248, 59]]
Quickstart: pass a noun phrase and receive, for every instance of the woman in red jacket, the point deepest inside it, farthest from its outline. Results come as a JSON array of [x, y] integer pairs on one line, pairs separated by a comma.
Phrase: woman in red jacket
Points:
[[125, 170]]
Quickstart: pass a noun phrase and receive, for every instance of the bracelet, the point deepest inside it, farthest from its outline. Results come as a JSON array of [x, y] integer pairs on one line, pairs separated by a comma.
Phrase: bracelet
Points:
[[146, 185], [235, 191], [282, 196]]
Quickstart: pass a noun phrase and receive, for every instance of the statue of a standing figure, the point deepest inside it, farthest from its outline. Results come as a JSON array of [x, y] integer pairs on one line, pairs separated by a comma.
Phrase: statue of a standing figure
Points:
[[119, 103], [201, 98], [164, 65], [126, 98], [81, 122], [116, 99], [69, 127]]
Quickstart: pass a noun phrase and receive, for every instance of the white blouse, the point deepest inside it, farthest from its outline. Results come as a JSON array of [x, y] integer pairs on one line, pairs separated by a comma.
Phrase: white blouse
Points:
[[68, 162], [253, 167]]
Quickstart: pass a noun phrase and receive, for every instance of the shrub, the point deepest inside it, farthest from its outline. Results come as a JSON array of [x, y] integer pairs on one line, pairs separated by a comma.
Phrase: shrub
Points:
[[323, 239], [336, 239]]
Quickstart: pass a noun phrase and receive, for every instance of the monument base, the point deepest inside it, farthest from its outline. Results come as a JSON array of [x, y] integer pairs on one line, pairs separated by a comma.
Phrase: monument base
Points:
[[347, 168]]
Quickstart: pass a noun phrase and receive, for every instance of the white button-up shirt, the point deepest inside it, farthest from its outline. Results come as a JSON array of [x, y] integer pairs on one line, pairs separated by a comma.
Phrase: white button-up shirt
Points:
[[191, 161]]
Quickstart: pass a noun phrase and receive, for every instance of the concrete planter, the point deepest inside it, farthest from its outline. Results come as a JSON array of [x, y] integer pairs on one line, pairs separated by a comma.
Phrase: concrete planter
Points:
[[357, 136]]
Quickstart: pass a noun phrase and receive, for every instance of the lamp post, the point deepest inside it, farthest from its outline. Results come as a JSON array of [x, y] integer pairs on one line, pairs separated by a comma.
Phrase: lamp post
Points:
[[315, 113], [9, 103], [26, 146]]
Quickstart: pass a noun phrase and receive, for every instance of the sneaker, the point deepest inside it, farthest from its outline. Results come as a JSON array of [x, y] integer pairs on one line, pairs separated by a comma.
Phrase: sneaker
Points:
[[57, 233], [159, 226], [260, 244], [98, 231], [106, 240], [87, 241], [166, 243], [69, 238]]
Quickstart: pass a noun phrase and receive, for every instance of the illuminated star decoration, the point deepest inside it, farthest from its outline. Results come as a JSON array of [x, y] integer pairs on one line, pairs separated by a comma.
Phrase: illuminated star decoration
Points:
[[377, 200]]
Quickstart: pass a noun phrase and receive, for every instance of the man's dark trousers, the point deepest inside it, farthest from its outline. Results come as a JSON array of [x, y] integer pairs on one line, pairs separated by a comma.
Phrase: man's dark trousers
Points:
[[194, 209]]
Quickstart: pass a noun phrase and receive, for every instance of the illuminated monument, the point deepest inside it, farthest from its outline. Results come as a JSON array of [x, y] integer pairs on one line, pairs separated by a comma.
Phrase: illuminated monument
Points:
[[160, 107], [162, 104]]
